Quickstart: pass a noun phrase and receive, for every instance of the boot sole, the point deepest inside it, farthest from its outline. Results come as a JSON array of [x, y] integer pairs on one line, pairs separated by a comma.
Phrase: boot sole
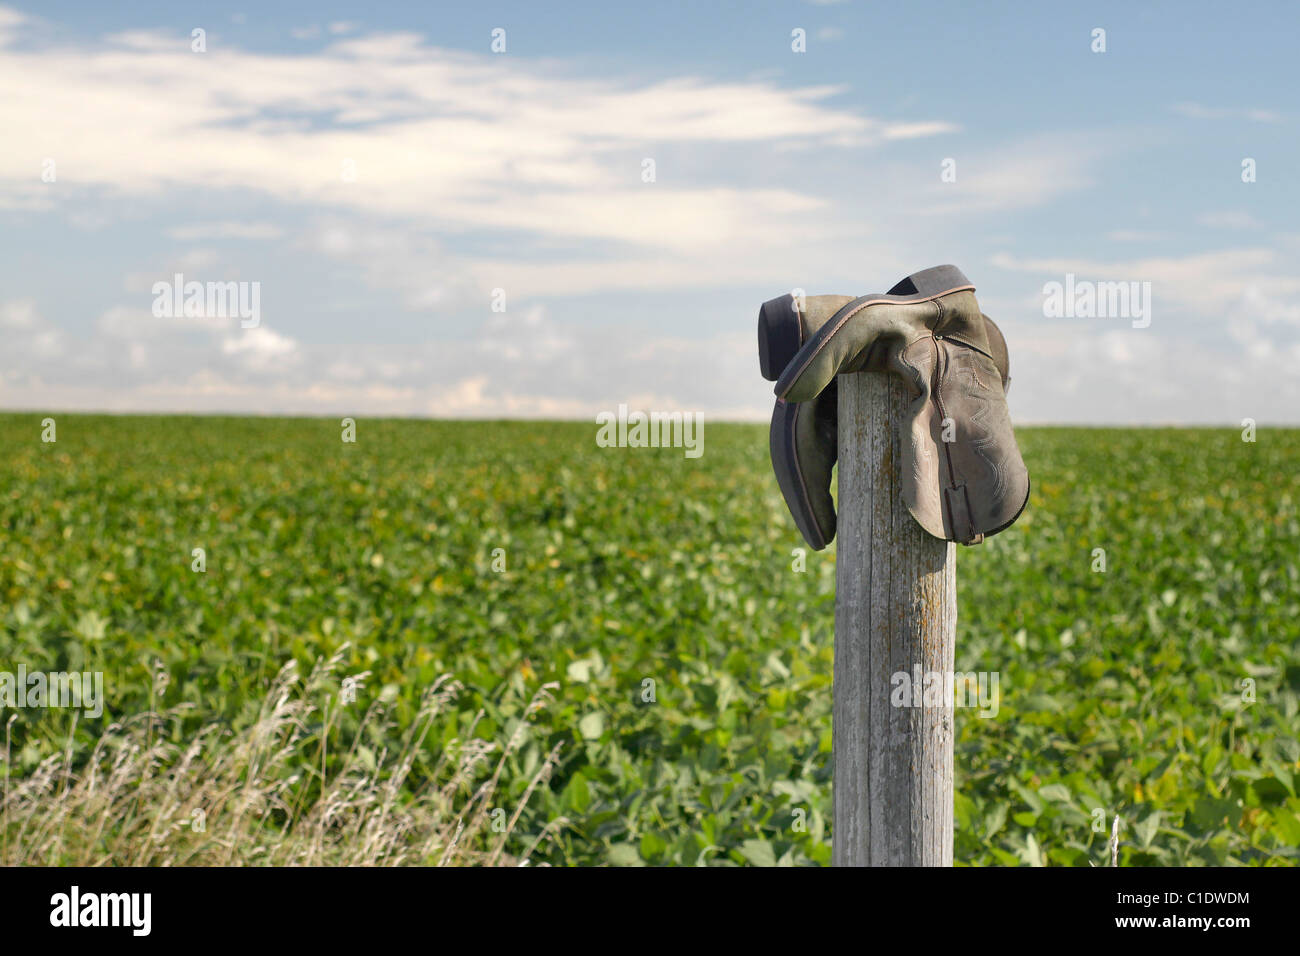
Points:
[[785, 465]]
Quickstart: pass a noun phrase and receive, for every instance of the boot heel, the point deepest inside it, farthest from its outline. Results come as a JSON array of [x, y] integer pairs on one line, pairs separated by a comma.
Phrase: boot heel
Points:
[[779, 335]]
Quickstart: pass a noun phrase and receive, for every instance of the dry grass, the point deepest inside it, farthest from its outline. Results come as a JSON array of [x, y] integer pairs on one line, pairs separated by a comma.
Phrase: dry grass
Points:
[[263, 796]]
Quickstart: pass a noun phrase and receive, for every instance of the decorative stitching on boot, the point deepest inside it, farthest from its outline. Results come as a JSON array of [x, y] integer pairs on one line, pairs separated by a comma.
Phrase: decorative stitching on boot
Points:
[[983, 436]]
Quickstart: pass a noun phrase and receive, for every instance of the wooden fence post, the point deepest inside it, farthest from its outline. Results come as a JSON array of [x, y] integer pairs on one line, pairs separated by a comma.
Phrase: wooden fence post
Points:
[[895, 610]]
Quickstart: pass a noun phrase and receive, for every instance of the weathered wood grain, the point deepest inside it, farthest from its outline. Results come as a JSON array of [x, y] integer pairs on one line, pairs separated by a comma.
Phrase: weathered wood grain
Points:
[[895, 607]]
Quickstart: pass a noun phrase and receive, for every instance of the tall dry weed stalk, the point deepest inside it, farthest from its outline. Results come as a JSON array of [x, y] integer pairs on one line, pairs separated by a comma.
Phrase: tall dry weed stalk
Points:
[[269, 794]]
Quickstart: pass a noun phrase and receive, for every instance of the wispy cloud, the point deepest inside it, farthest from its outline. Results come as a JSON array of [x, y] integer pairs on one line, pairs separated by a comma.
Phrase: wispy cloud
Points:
[[382, 186], [1013, 175], [1253, 114], [225, 230], [1199, 285], [387, 125], [1229, 219]]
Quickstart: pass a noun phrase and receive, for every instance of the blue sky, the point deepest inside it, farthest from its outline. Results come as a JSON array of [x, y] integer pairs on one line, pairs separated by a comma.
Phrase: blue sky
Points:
[[522, 171]]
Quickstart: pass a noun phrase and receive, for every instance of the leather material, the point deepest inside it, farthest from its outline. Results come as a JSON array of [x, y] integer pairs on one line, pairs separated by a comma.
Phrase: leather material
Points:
[[784, 324], [804, 448], [963, 477], [802, 439]]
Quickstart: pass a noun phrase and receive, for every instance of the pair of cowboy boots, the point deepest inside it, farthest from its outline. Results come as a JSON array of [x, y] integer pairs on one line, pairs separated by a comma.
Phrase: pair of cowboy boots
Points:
[[962, 476]]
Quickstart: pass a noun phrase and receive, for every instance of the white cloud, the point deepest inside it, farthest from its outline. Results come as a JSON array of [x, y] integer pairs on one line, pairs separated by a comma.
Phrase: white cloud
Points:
[[260, 348], [895, 131], [436, 137], [1222, 322], [1229, 219], [1010, 176], [1112, 376], [521, 363], [1198, 285], [31, 343], [1134, 235], [529, 363], [19, 315], [1255, 115], [225, 230], [543, 167]]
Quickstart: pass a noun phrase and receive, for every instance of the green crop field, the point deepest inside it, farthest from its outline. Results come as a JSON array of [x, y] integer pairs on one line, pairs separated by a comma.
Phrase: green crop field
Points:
[[688, 721]]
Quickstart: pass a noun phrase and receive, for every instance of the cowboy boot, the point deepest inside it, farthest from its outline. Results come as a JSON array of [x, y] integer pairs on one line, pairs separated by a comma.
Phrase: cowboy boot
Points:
[[962, 475], [803, 438]]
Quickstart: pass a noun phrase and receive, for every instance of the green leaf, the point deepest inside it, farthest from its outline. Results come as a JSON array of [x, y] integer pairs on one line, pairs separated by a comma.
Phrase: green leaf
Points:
[[580, 671], [624, 854], [652, 846], [996, 819], [1287, 825], [1145, 830], [91, 626], [758, 852], [577, 795], [1055, 791], [1030, 853]]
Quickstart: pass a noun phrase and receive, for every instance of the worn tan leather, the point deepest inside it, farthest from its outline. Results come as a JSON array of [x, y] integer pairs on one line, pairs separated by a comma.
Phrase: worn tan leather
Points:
[[963, 477]]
